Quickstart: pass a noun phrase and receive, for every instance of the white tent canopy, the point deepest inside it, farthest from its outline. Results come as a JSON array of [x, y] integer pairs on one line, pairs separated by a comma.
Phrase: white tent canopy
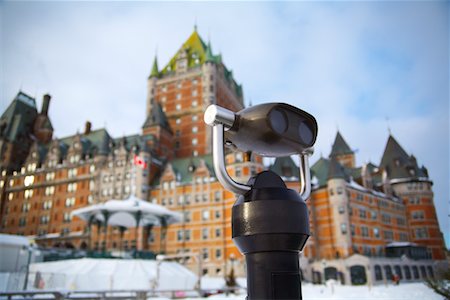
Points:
[[110, 274], [128, 213]]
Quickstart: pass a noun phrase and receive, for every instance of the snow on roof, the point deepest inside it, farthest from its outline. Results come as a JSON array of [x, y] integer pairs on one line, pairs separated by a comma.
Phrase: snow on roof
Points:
[[400, 244], [9, 239], [356, 186]]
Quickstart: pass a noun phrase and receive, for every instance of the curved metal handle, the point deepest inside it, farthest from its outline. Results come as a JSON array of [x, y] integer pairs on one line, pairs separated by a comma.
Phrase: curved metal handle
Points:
[[219, 163], [305, 175]]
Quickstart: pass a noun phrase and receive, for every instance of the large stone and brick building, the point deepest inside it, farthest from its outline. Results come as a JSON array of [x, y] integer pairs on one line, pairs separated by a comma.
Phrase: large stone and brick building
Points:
[[355, 211]]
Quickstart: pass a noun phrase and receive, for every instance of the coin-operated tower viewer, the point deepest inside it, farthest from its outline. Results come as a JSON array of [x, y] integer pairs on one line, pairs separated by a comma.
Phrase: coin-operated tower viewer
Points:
[[270, 223]]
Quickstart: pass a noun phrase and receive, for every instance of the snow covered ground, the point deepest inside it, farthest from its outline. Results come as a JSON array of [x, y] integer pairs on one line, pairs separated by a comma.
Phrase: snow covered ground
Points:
[[406, 291]]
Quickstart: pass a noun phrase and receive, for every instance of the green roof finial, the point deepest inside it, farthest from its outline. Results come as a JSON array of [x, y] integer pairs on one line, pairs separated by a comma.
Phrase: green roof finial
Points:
[[155, 72], [209, 56]]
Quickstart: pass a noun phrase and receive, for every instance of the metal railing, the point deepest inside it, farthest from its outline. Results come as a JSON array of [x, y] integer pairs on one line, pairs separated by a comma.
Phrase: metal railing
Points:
[[117, 294]]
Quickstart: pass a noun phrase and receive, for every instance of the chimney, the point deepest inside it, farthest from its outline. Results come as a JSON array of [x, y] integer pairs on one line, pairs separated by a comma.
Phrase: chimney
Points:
[[45, 104], [87, 127]]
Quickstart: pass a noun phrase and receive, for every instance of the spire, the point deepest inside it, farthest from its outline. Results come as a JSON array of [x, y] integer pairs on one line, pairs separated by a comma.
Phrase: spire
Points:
[[155, 72], [340, 146], [209, 56]]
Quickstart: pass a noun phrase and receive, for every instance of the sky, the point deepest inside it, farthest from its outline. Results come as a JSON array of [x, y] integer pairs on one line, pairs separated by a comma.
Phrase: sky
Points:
[[363, 68]]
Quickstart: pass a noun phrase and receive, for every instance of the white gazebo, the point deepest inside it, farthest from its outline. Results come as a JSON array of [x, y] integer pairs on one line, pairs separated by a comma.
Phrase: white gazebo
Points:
[[131, 212]]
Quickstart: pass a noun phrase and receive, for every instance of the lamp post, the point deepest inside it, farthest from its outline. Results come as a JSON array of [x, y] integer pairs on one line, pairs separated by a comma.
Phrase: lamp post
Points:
[[29, 251]]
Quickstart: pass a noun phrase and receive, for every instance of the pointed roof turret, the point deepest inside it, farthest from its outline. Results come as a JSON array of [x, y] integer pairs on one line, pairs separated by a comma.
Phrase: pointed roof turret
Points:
[[393, 152], [336, 170], [209, 57], [155, 72], [285, 167], [157, 117], [398, 164], [340, 146]]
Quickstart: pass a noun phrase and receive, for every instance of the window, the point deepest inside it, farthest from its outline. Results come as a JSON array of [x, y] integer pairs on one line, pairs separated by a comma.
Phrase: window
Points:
[[187, 235], [28, 194], [374, 215], [205, 215], [70, 202], [26, 207], [194, 93], [403, 237], [343, 228], [339, 190], [44, 219], [364, 231], [239, 157], [205, 253], [331, 192], [195, 129], [72, 173], [218, 254], [90, 199], [178, 106], [218, 232], [194, 118], [414, 200], [388, 235], [194, 141], [179, 235], [238, 172], [67, 217], [385, 218], [352, 229], [22, 222], [28, 180], [178, 121], [421, 233], [418, 215], [72, 187], [47, 205], [205, 233], [50, 190], [376, 232], [217, 196], [362, 213], [341, 209]]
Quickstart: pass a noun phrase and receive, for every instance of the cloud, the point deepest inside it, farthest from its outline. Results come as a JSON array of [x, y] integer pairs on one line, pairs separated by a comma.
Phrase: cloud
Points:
[[350, 64]]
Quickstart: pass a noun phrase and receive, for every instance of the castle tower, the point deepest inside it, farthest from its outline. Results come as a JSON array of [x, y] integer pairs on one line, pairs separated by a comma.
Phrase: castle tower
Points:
[[411, 183], [342, 152], [193, 79], [339, 212]]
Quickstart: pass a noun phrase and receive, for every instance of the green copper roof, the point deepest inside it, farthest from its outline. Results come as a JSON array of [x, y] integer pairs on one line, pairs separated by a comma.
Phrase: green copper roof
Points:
[[398, 164], [184, 168], [196, 53], [157, 117], [285, 167], [96, 142], [18, 119], [336, 170], [340, 146], [209, 56], [320, 171], [155, 72]]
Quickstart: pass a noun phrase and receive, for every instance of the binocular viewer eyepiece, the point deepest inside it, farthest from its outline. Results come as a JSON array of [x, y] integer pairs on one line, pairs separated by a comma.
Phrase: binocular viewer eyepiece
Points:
[[270, 129], [270, 223]]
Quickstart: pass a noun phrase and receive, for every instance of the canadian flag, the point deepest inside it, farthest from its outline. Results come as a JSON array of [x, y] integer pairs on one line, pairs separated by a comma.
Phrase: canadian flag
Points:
[[140, 162]]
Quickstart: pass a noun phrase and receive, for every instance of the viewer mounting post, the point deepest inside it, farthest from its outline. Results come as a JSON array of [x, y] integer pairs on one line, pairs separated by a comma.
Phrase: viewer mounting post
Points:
[[270, 222]]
